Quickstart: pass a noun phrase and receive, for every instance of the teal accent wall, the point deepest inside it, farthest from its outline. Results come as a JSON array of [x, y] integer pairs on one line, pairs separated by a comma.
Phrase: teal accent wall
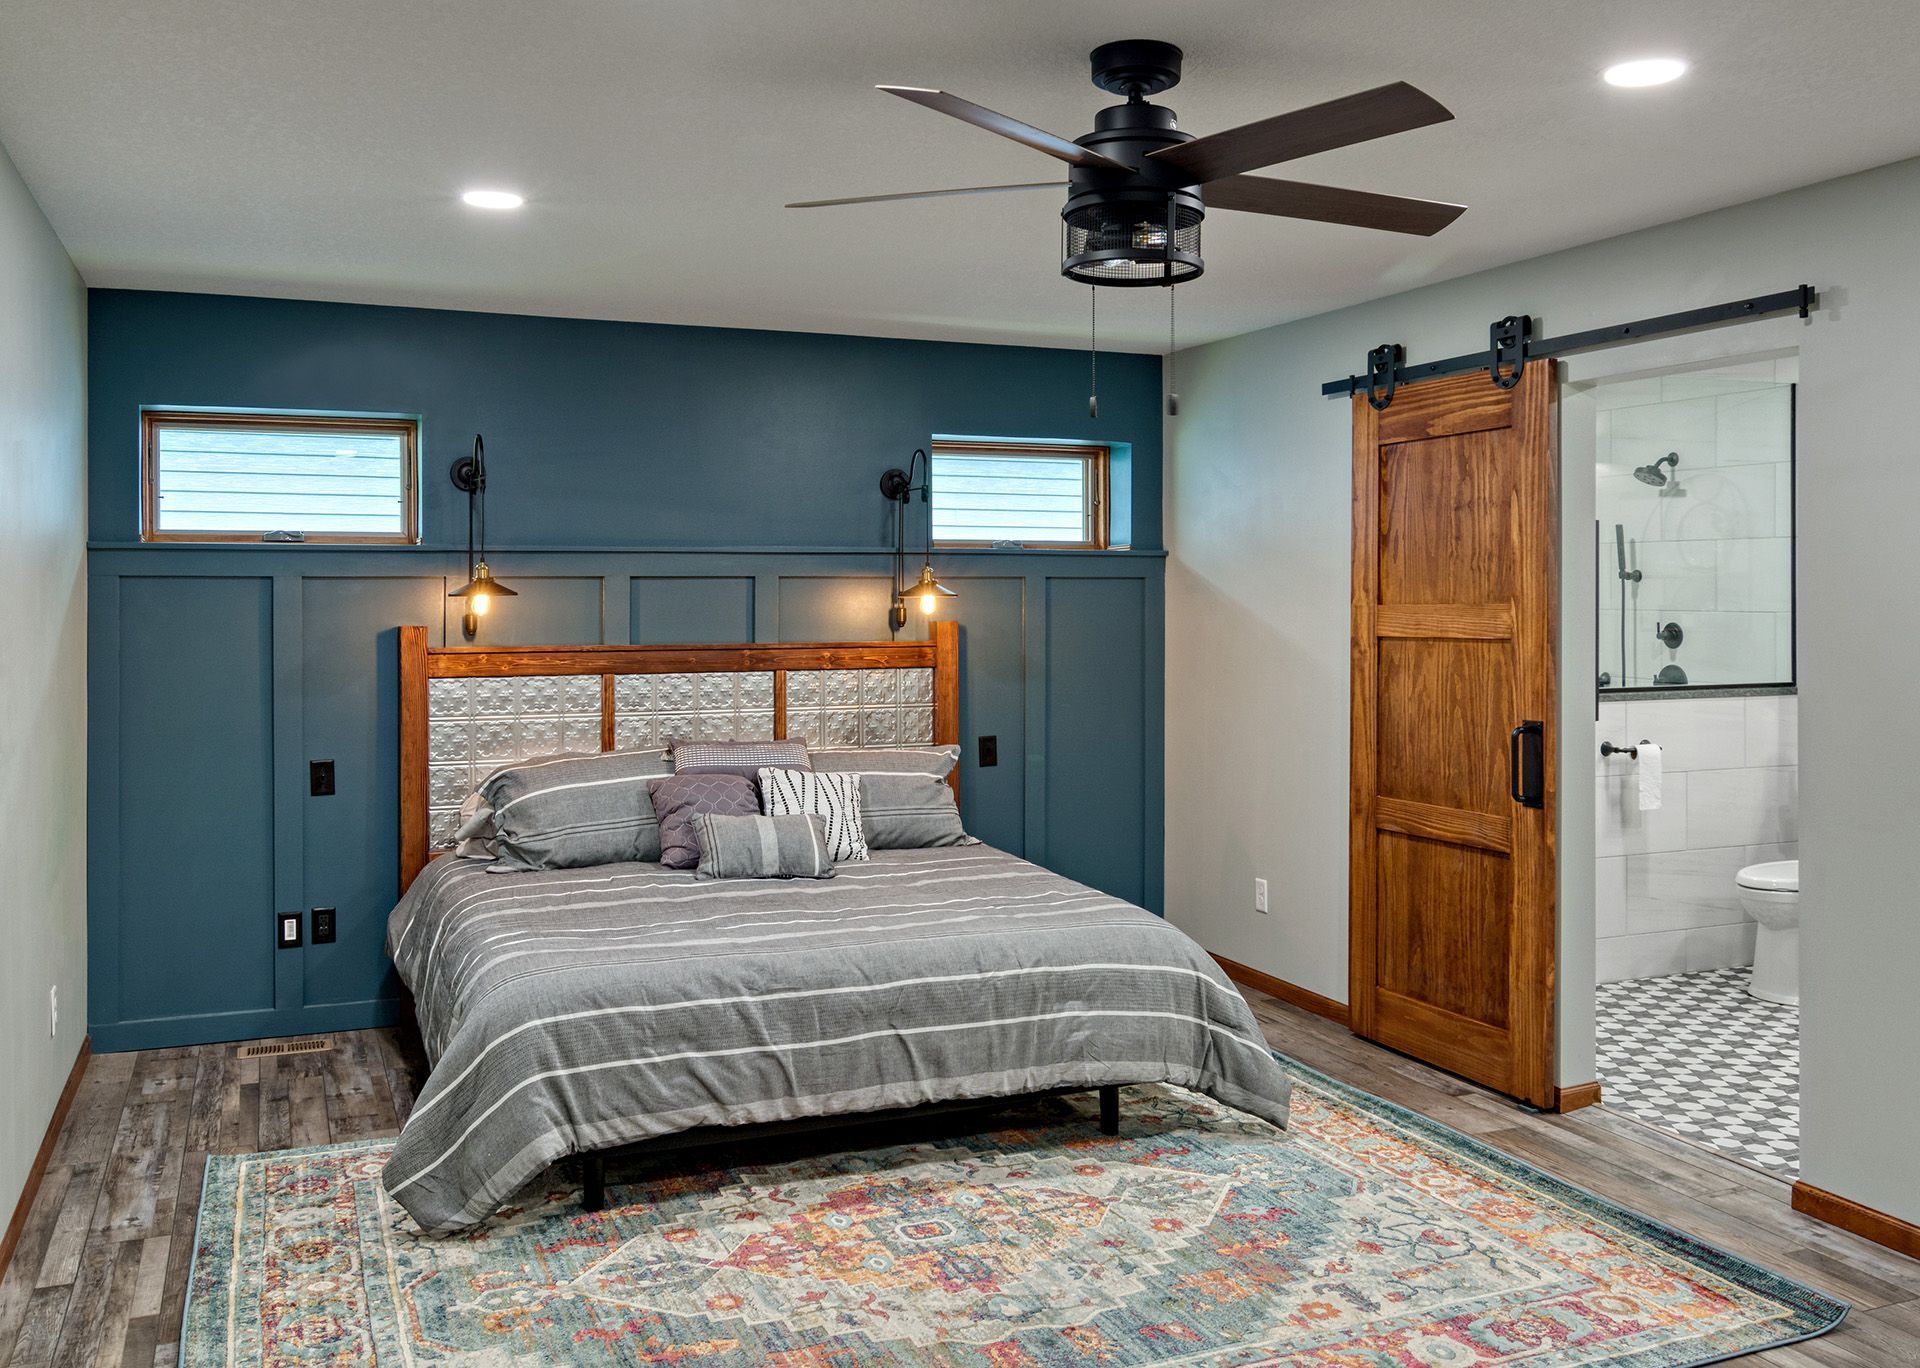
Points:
[[647, 484]]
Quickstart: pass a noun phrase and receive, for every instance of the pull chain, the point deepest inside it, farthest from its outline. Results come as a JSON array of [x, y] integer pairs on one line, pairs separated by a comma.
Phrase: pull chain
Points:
[[1093, 351], [1173, 393]]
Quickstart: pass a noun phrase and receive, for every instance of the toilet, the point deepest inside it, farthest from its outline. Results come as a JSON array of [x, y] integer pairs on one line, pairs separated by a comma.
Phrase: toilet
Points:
[[1771, 895]]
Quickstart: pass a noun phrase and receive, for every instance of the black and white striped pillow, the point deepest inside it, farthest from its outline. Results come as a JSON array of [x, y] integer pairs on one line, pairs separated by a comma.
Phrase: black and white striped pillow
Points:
[[834, 798]]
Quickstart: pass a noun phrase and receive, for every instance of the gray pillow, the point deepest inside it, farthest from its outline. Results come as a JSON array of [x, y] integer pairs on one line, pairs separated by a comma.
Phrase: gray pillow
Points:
[[570, 811], [744, 758], [789, 847], [905, 800], [679, 798]]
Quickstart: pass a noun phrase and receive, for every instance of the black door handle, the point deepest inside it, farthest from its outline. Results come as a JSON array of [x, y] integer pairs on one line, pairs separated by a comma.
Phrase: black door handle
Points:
[[1526, 775]]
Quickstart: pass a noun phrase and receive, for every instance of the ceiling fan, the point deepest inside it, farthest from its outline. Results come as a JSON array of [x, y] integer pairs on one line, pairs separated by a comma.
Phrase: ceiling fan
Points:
[[1138, 186]]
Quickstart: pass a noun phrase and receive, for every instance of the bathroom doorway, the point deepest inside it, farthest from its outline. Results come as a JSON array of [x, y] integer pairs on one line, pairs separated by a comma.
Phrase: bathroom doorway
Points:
[[1695, 754]]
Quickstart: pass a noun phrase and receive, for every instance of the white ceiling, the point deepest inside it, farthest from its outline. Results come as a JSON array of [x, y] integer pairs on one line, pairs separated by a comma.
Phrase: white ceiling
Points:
[[316, 148]]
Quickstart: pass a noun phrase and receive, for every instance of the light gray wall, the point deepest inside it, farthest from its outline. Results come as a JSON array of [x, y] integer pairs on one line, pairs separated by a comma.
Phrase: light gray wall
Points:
[[1257, 522], [43, 668]]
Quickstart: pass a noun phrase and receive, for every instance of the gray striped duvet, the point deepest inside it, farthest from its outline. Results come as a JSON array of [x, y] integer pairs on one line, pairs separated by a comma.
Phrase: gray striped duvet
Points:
[[577, 1009]]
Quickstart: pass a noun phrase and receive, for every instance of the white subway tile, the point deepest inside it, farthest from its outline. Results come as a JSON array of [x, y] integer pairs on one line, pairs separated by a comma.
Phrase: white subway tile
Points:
[[1680, 575], [1773, 731], [1610, 897], [1692, 733], [1680, 889], [1742, 807], [1623, 828], [1648, 956], [1754, 428], [1755, 574], [1627, 393], [1720, 947], [1726, 648], [1621, 499], [1732, 501]]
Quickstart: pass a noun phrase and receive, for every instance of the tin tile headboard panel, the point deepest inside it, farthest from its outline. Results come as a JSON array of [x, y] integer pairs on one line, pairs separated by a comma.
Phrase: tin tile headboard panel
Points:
[[466, 709]]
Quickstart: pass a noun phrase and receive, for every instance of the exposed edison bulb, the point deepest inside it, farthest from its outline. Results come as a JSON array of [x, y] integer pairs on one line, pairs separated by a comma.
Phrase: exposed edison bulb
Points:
[[928, 602], [479, 603]]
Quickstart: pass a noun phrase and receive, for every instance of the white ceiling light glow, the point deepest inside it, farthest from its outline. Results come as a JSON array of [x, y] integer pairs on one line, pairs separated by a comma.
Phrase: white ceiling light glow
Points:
[[1647, 71], [493, 199]]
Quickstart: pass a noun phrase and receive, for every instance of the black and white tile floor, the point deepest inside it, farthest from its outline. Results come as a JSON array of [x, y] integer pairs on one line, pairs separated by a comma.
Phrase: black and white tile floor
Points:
[[1694, 1055]]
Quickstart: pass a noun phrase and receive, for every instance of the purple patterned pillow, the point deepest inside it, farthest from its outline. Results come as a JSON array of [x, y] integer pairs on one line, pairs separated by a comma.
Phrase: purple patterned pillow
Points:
[[678, 798]]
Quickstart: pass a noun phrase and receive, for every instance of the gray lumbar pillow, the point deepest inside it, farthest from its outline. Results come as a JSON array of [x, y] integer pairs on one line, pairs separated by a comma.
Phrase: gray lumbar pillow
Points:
[[905, 800], [793, 846], [570, 811]]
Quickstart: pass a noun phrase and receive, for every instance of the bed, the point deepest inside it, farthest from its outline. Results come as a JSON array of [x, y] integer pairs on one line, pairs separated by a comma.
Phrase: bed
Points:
[[586, 1011]]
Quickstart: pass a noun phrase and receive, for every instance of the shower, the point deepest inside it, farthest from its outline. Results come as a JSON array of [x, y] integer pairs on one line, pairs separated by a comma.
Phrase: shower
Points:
[[1653, 475]]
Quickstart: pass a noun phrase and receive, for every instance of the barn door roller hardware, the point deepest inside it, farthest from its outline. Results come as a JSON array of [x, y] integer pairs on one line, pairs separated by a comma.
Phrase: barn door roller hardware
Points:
[[1511, 344]]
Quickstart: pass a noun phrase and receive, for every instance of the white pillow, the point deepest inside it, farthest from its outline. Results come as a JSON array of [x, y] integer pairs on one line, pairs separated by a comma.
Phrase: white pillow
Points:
[[834, 798]]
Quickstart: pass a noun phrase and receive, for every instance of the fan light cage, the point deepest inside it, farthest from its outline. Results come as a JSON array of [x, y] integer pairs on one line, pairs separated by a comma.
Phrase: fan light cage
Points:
[[1126, 244]]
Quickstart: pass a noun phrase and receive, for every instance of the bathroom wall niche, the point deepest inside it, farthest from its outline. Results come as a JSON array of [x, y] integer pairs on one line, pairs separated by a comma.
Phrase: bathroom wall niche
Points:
[[1694, 481]]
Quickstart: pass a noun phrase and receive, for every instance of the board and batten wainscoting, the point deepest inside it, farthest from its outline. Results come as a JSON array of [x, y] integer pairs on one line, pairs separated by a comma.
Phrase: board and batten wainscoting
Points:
[[1665, 901], [647, 484]]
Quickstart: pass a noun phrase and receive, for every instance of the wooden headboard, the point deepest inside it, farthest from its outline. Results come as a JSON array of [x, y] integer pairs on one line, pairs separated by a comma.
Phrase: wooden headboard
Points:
[[465, 709]]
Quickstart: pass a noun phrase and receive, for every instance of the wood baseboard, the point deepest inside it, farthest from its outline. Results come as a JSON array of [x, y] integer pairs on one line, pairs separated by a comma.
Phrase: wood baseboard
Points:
[[1304, 998], [1574, 1098], [1864, 1221], [18, 1224]]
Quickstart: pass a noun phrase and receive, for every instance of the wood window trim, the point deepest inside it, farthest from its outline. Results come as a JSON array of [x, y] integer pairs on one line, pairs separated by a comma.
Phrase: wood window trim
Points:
[[407, 429], [1097, 456]]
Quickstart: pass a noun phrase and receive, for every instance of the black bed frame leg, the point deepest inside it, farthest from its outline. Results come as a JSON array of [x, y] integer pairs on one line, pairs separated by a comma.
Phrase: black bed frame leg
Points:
[[593, 1182], [1110, 1109]]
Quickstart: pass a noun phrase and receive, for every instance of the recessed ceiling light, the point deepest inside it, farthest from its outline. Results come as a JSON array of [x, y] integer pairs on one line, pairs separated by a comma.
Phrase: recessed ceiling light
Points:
[[1647, 71], [493, 199]]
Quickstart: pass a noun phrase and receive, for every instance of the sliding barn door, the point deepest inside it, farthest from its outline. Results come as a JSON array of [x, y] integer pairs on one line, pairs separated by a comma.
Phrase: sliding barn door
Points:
[[1453, 864]]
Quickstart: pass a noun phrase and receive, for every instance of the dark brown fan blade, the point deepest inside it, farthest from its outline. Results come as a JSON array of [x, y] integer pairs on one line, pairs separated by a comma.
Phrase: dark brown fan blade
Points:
[[1330, 204], [1318, 128], [927, 194], [981, 117]]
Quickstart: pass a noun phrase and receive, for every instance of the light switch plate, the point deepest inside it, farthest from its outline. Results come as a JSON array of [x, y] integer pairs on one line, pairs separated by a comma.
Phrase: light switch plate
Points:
[[287, 929]]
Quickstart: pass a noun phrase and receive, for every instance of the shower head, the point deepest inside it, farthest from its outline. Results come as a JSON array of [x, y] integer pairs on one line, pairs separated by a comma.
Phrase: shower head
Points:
[[1653, 475]]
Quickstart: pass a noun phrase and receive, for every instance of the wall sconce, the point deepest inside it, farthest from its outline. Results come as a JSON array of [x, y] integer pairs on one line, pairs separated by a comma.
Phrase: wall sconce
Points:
[[470, 478], [897, 485]]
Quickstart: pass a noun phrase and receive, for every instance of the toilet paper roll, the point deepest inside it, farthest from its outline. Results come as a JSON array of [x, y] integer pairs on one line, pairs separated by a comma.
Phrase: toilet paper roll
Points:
[[1648, 771]]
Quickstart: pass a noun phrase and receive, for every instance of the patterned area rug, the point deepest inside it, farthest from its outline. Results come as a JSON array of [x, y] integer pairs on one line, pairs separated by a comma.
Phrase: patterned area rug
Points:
[[1365, 1237], [1695, 1055]]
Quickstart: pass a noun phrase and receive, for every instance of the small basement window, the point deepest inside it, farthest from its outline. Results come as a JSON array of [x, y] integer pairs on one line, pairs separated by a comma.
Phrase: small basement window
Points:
[[1044, 494], [251, 477]]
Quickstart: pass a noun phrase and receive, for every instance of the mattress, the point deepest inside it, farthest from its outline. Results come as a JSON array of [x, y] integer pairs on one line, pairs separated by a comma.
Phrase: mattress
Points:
[[574, 1010]]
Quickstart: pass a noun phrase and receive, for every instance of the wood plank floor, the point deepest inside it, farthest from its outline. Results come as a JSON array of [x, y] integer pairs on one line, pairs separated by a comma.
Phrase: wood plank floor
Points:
[[101, 1273]]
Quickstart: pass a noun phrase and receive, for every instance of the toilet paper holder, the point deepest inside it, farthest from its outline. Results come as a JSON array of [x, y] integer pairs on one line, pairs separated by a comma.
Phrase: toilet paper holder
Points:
[[1631, 752]]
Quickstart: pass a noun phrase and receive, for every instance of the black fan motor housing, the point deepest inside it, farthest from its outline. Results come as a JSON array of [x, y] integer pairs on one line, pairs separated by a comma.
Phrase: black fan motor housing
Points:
[[1111, 215], [1136, 67]]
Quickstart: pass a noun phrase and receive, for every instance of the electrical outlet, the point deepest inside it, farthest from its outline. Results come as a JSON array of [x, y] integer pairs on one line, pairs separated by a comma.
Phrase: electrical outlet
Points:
[[53, 1010], [1260, 895], [323, 926]]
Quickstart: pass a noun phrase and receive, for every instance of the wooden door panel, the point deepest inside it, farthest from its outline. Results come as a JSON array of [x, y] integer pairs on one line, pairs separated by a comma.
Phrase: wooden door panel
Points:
[[1452, 878], [1443, 408], [1441, 540], [1445, 710], [1446, 905]]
